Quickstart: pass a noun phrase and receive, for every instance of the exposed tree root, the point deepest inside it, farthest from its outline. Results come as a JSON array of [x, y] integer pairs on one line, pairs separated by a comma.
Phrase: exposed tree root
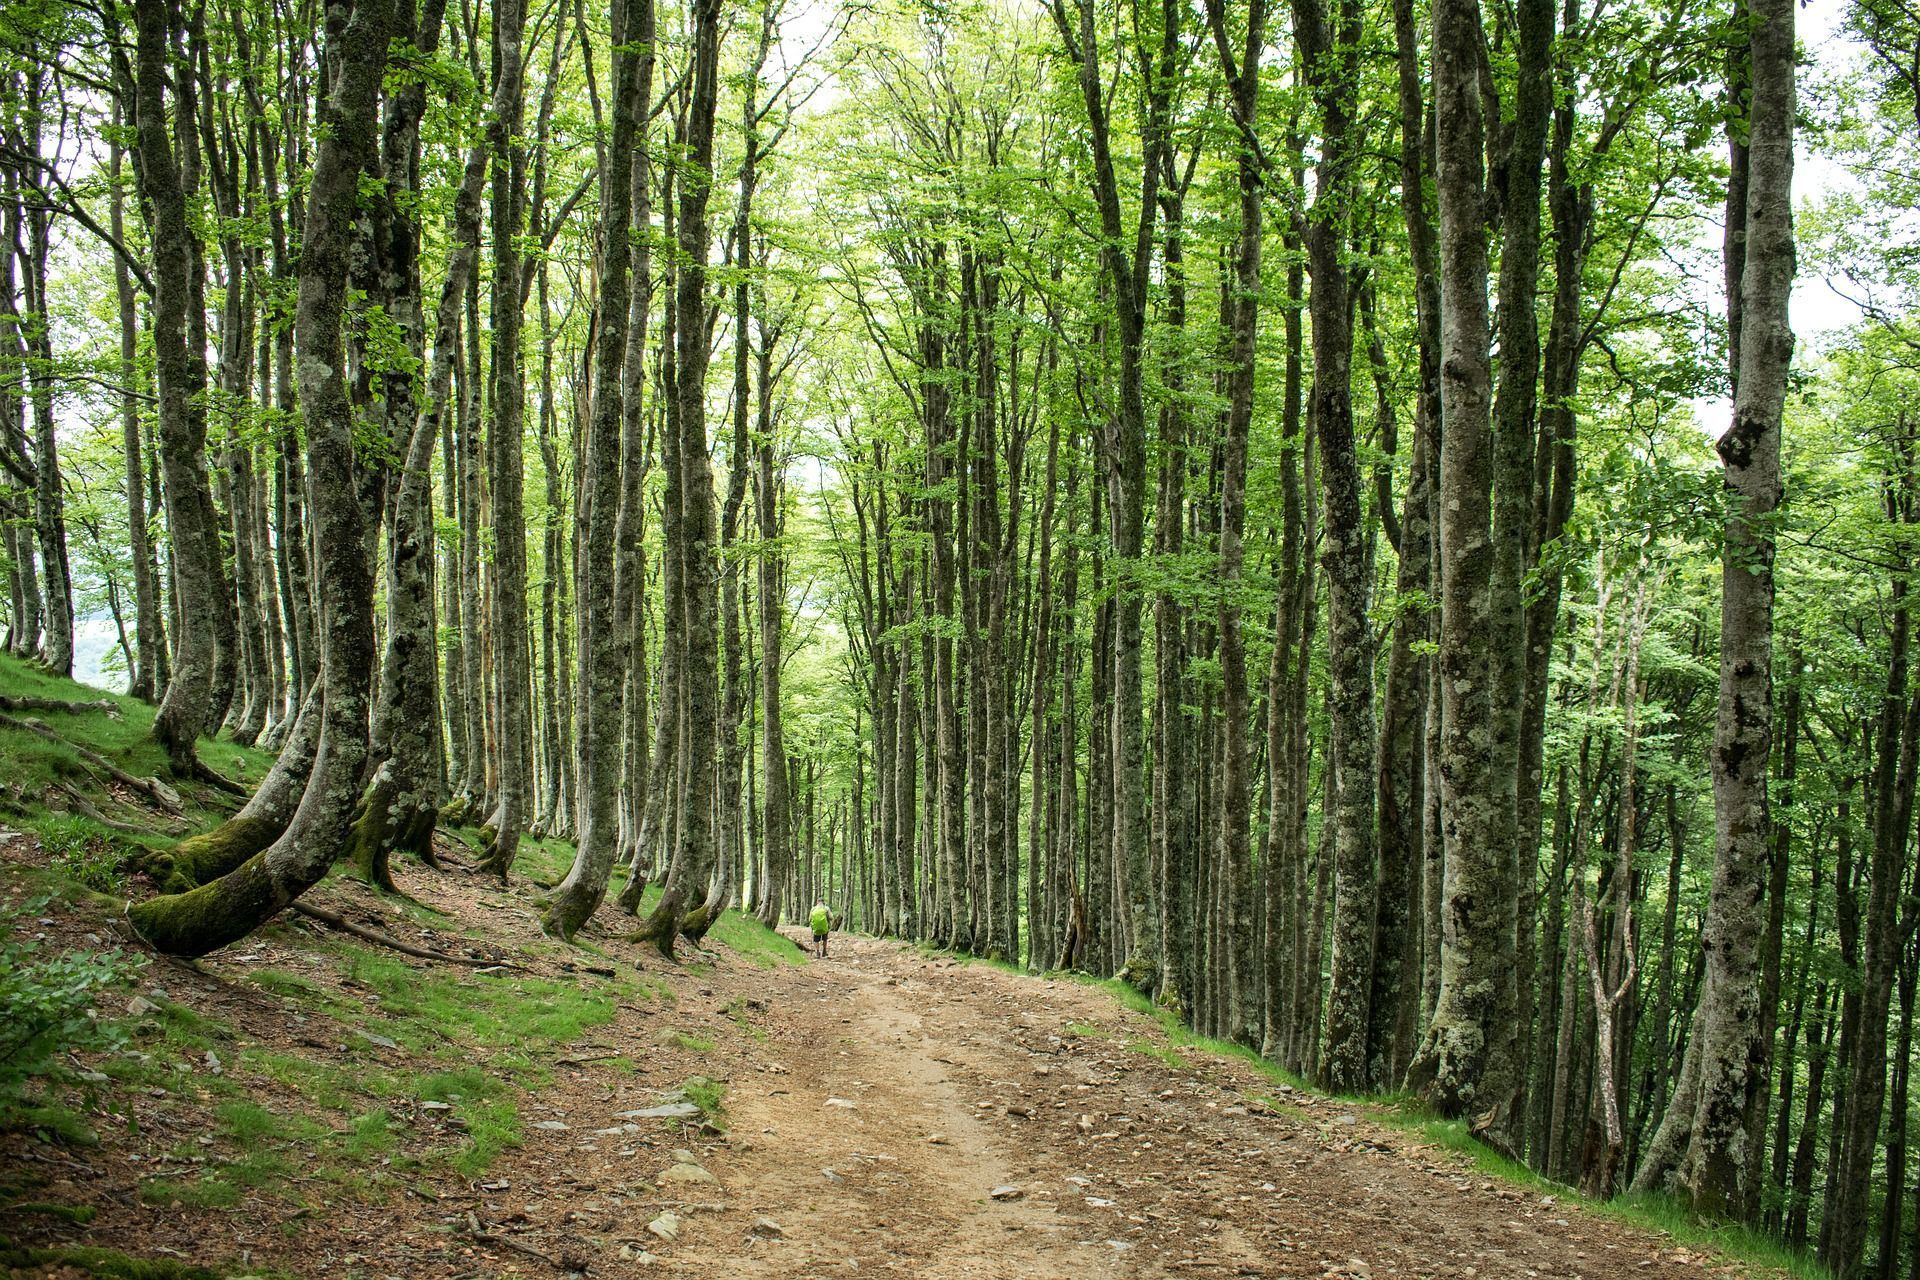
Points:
[[204, 772], [333, 920], [79, 804]]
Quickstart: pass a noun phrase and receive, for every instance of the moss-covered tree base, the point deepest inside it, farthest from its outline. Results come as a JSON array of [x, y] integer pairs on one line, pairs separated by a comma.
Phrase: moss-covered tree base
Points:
[[664, 925], [205, 919], [633, 891], [699, 920], [391, 817], [1138, 974], [204, 858]]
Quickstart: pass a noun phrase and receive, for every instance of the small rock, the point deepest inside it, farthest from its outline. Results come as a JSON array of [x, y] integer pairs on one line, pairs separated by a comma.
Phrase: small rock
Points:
[[937, 1139], [1006, 1193], [140, 1007], [1346, 1120], [686, 1173], [373, 1037], [665, 1111], [840, 1102], [213, 1062], [551, 1126], [435, 1106], [768, 1229], [666, 1226], [832, 1177]]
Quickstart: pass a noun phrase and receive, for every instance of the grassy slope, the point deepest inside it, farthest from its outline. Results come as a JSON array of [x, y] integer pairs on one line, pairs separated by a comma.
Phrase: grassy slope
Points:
[[328, 1115], [32, 769]]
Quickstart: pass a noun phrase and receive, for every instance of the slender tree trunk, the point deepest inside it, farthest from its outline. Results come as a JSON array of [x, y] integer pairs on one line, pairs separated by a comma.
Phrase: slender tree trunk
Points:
[[700, 678], [1712, 1172]]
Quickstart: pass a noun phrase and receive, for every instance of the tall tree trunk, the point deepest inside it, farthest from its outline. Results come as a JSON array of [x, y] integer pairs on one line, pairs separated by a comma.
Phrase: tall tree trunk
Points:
[[512, 662], [229, 908], [1712, 1172], [602, 640], [688, 873], [149, 630], [1460, 1069], [181, 372]]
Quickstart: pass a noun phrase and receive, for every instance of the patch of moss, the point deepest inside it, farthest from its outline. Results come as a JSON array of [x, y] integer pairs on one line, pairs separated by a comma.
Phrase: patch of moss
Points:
[[110, 1264], [78, 1214], [209, 1191]]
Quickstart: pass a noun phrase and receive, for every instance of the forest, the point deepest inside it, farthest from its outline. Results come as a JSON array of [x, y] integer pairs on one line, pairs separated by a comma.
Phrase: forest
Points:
[[1318, 510]]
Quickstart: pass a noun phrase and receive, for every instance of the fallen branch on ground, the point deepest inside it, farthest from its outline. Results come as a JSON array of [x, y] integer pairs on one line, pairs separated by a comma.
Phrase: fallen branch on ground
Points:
[[86, 809], [336, 921], [159, 792], [22, 702]]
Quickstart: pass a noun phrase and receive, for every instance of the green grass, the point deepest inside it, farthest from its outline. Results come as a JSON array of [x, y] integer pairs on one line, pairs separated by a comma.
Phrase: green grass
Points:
[[709, 1096], [426, 1008], [491, 1120], [747, 937], [34, 763], [687, 1040]]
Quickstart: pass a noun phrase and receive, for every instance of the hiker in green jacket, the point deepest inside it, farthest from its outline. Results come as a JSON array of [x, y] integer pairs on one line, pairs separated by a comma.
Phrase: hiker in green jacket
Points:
[[822, 921]]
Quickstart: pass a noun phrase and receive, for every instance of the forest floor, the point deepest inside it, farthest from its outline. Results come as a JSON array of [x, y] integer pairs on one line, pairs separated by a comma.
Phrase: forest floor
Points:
[[309, 1104]]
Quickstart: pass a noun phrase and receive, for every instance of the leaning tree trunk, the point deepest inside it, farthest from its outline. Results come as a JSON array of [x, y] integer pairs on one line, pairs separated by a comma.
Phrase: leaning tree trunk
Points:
[[229, 908]]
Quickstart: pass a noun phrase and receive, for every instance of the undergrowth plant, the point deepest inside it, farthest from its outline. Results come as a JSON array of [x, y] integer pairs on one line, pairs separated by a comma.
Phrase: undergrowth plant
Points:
[[47, 999]]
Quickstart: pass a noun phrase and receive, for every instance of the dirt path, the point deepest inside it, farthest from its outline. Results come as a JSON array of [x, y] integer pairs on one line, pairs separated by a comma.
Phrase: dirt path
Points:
[[896, 1094], [886, 1113]]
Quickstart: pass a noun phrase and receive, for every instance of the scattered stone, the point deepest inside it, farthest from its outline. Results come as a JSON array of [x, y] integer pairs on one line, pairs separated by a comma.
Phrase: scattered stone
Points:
[[841, 1103], [666, 1226], [213, 1063], [767, 1229], [937, 1139], [686, 1173], [665, 1111], [140, 1007], [832, 1177], [1006, 1193], [375, 1038], [1346, 1120], [435, 1106], [551, 1126]]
